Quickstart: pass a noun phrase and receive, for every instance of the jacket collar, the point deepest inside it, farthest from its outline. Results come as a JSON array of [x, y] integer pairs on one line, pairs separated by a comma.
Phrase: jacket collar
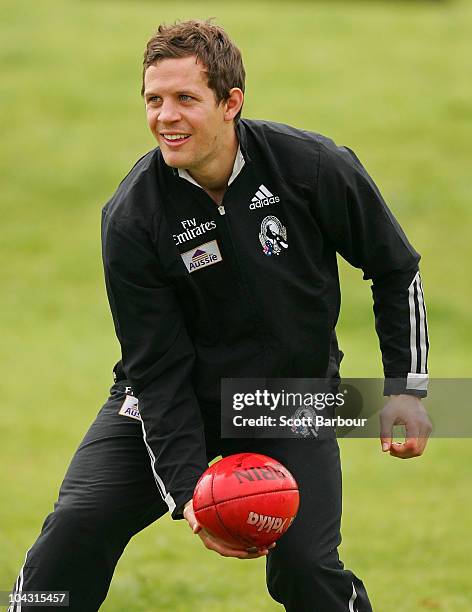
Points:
[[238, 165]]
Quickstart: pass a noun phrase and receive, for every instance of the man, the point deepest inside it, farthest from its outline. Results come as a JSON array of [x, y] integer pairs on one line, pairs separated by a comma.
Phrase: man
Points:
[[219, 250]]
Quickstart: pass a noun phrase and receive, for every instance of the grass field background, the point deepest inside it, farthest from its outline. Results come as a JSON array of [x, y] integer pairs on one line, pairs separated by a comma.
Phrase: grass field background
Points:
[[392, 81]]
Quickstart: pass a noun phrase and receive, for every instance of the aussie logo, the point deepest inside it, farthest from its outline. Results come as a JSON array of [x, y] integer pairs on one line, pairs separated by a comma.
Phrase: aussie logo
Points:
[[269, 523], [192, 230], [130, 409], [273, 236], [263, 198], [202, 256], [259, 473]]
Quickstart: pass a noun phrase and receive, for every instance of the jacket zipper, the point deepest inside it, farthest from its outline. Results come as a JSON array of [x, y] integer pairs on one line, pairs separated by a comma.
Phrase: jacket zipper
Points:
[[245, 285]]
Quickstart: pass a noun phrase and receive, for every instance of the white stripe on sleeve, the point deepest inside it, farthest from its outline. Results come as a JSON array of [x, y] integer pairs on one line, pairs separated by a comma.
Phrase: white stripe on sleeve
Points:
[[167, 497], [419, 344]]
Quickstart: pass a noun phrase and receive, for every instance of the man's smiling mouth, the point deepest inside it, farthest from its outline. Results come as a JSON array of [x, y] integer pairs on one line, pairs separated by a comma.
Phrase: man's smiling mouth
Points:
[[175, 138]]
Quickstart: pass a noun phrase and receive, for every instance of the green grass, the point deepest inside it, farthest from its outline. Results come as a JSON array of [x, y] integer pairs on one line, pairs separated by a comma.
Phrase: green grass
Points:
[[390, 80]]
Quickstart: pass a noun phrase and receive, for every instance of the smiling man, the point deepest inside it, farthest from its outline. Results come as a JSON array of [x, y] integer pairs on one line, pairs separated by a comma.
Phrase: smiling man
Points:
[[219, 250]]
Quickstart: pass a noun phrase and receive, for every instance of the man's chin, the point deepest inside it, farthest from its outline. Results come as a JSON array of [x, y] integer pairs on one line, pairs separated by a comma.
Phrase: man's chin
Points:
[[174, 160]]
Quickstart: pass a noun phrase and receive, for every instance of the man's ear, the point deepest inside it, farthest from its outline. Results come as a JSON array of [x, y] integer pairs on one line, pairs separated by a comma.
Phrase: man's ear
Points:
[[233, 104]]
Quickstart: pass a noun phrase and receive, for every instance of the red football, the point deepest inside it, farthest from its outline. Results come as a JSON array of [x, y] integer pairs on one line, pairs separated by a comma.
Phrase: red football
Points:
[[246, 499]]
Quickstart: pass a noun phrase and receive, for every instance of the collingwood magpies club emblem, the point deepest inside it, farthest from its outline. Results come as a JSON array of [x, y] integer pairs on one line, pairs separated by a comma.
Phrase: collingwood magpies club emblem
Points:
[[273, 236]]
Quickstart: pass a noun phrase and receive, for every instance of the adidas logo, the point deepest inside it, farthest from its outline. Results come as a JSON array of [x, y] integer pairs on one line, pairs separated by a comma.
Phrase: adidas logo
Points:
[[262, 198]]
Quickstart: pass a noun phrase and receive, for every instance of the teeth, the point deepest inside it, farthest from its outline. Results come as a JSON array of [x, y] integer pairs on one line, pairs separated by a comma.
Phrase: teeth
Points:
[[175, 136]]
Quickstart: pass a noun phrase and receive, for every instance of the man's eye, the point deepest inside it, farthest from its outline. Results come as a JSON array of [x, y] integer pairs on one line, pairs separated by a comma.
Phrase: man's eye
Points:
[[153, 99], [185, 98]]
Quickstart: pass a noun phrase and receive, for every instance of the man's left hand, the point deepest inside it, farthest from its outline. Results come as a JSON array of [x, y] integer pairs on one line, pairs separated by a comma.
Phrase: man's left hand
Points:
[[405, 410], [212, 542]]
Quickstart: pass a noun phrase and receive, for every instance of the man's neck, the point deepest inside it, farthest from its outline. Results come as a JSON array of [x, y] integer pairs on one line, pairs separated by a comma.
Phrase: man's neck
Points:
[[214, 178]]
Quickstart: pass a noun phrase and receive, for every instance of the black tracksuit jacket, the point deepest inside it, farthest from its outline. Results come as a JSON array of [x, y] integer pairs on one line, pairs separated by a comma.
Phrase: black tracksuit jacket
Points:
[[262, 297]]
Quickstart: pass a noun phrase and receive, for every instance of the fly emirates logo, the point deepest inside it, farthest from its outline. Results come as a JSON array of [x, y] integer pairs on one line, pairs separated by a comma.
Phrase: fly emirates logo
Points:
[[192, 230]]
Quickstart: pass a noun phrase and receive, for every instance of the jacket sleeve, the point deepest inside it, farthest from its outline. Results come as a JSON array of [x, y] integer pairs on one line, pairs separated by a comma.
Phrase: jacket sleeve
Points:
[[363, 230], [158, 358]]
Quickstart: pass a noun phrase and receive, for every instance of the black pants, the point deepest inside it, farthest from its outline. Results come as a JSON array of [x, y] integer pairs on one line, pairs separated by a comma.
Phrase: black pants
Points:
[[109, 494]]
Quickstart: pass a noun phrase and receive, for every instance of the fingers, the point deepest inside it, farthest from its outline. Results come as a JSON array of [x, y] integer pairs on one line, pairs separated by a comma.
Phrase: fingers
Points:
[[424, 437], [422, 440], [213, 543], [412, 447], [417, 435], [189, 515], [409, 448], [386, 428], [225, 550], [405, 450], [405, 410]]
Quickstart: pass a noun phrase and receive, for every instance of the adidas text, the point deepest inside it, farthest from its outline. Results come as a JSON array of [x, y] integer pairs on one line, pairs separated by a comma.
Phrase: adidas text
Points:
[[264, 202]]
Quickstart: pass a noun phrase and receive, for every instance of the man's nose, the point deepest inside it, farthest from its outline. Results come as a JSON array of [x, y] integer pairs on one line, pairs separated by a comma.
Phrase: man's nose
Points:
[[168, 112]]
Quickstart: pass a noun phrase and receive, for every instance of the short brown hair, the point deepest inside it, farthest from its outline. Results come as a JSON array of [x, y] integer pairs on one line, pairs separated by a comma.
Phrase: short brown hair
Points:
[[211, 46]]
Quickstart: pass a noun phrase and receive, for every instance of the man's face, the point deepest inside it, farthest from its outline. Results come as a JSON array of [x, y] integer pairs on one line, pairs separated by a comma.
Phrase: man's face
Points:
[[183, 115]]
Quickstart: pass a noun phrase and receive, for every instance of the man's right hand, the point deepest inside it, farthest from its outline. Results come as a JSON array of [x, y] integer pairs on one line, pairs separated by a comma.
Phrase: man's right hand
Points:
[[214, 543]]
